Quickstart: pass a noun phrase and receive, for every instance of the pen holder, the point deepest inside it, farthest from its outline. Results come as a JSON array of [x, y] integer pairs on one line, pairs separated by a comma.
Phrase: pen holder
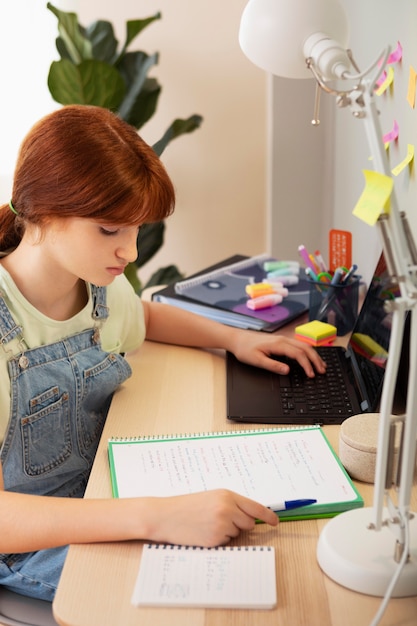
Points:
[[335, 304]]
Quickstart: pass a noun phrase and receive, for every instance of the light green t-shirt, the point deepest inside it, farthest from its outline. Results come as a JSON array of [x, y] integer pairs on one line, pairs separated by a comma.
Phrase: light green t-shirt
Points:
[[123, 331]]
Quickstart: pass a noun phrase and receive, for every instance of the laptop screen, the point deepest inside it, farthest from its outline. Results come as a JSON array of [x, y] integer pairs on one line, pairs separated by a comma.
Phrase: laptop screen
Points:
[[369, 343]]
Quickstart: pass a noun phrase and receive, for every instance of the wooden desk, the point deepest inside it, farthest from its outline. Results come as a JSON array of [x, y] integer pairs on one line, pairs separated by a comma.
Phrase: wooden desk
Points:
[[181, 390]]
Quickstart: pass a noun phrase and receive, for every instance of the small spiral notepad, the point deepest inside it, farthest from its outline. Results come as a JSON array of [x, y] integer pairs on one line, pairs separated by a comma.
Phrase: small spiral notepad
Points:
[[225, 577]]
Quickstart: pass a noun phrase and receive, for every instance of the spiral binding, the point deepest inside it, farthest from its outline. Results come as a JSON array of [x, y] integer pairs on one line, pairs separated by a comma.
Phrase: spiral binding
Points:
[[202, 435], [169, 546], [182, 285]]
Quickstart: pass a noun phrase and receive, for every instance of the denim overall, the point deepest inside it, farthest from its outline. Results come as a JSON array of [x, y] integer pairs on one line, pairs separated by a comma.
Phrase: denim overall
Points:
[[60, 396]]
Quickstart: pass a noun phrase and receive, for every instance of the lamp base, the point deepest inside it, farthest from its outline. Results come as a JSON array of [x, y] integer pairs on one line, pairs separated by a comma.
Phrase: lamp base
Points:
[[362, 559]]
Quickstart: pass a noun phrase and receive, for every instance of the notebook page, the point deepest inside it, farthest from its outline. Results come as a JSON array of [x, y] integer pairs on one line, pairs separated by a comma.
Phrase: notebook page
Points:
[[223, 577], [268, 466]]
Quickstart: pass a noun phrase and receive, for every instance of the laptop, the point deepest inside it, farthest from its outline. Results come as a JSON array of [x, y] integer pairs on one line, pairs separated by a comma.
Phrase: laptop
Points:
[[352, 383]]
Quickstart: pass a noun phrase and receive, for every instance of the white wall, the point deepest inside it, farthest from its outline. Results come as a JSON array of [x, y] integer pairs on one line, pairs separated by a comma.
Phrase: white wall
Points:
[[219, 170], [27, 44], [317, 176], [373, 25]]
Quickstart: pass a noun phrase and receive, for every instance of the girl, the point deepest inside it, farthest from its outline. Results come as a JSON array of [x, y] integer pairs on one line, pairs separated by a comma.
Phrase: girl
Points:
[[84, 183]]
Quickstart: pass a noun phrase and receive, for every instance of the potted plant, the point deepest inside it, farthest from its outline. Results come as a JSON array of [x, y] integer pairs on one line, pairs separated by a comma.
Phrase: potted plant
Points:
[[94, 70]]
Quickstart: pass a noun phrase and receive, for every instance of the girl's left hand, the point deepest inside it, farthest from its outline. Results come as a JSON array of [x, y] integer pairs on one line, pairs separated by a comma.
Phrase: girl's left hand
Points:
[[256, 349]]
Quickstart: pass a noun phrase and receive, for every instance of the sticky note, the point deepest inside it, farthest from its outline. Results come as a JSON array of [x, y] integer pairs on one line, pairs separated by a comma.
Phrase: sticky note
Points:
[[389, 78], [392, 135], [316, 333], [396, 55], [406, 161], [411, 92], [375, 197]]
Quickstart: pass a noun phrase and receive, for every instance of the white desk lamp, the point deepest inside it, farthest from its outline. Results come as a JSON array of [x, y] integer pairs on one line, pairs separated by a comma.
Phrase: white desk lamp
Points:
[[372, 550]]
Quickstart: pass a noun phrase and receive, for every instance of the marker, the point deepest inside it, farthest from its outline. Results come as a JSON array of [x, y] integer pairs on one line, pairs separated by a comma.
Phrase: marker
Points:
[[337, 276], [302, 251], [291, 504], [320, 261], [349, 273], [263, 302], [284, 271], [311, 274], [270, 266], [255, 290], [288, 281], [314, 263]]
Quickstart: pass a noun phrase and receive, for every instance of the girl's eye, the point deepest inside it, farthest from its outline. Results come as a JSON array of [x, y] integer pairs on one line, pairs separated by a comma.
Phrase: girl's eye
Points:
[[108, 231]]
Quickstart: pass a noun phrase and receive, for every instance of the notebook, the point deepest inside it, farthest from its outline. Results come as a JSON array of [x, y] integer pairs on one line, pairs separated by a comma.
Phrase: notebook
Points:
[[266, 465], [218, 292], [227, 577], [351, 385]]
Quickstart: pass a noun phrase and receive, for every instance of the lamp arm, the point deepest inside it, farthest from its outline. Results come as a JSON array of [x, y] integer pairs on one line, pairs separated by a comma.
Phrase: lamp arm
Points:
[[401, 257], [400, 254]]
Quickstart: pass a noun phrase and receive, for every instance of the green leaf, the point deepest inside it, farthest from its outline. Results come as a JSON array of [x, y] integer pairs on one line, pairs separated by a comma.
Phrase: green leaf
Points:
[[177, 128], [90, 82], [131, 273], [103, 42], [164, 276], [77, 46], [150, 239], [134, 27], [142, 93]]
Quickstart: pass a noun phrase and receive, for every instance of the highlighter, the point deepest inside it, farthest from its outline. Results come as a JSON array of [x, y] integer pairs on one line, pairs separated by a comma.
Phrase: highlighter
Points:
[[289, 280], [254, 290], [263, 302], [270, 266]]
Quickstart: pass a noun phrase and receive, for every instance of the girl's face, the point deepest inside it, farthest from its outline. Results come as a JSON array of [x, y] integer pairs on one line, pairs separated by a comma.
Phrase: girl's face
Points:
[[90, 250]]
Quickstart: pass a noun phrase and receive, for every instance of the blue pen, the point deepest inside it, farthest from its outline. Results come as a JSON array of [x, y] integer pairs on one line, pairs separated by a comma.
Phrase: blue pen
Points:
[[291, 504]]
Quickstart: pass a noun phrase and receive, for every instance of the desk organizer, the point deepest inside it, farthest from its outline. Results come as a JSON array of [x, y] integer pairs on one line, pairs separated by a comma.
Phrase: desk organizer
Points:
[[358, 445], [335, 304]]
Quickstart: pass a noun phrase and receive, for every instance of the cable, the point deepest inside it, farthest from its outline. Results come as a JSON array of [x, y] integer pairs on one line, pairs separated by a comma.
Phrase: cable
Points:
[[396, 575]]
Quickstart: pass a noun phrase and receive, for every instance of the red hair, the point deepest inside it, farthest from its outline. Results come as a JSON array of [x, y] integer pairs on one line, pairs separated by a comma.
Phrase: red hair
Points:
[[84, 161]]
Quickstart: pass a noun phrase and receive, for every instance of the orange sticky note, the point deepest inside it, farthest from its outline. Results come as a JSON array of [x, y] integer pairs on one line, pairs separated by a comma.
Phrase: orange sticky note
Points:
[[411, 93]]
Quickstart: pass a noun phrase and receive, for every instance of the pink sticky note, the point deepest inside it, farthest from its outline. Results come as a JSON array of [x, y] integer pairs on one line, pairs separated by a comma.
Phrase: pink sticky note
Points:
[[396, 55], [393, 134]]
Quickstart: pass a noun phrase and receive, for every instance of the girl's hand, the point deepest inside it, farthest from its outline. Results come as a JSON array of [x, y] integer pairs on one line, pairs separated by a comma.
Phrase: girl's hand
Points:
[[256, 349], [208, 518]]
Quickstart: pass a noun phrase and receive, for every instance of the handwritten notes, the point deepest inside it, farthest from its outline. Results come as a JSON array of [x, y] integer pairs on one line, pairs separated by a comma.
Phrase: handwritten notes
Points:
[[224, 577], [265, 465]]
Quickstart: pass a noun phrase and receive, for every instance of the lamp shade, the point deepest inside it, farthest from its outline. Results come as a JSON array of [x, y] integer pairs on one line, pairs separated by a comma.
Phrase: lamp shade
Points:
[[272, 32]]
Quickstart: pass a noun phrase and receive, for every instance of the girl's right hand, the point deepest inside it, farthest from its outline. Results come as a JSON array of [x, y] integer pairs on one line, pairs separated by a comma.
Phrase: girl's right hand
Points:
[[208, 518]]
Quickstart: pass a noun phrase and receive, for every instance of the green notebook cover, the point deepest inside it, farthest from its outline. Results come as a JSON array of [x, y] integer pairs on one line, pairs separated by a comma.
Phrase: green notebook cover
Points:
[[267, 465]]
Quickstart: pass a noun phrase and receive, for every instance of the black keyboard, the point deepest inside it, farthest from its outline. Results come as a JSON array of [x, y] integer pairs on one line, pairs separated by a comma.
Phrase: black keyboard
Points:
[[325, 394]]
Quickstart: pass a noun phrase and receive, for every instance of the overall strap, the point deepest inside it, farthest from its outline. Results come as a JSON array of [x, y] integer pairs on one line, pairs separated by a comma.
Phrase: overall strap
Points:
[[8, 328], [100, 310]]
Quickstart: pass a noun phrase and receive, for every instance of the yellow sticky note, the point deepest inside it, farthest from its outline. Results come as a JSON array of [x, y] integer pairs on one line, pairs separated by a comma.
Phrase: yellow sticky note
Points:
[[411, 93], [375, 197], [410, 156], [387, 82]]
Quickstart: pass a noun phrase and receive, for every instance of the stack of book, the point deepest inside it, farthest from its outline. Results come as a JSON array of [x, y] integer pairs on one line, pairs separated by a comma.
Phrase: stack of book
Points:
[[219, 293]]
